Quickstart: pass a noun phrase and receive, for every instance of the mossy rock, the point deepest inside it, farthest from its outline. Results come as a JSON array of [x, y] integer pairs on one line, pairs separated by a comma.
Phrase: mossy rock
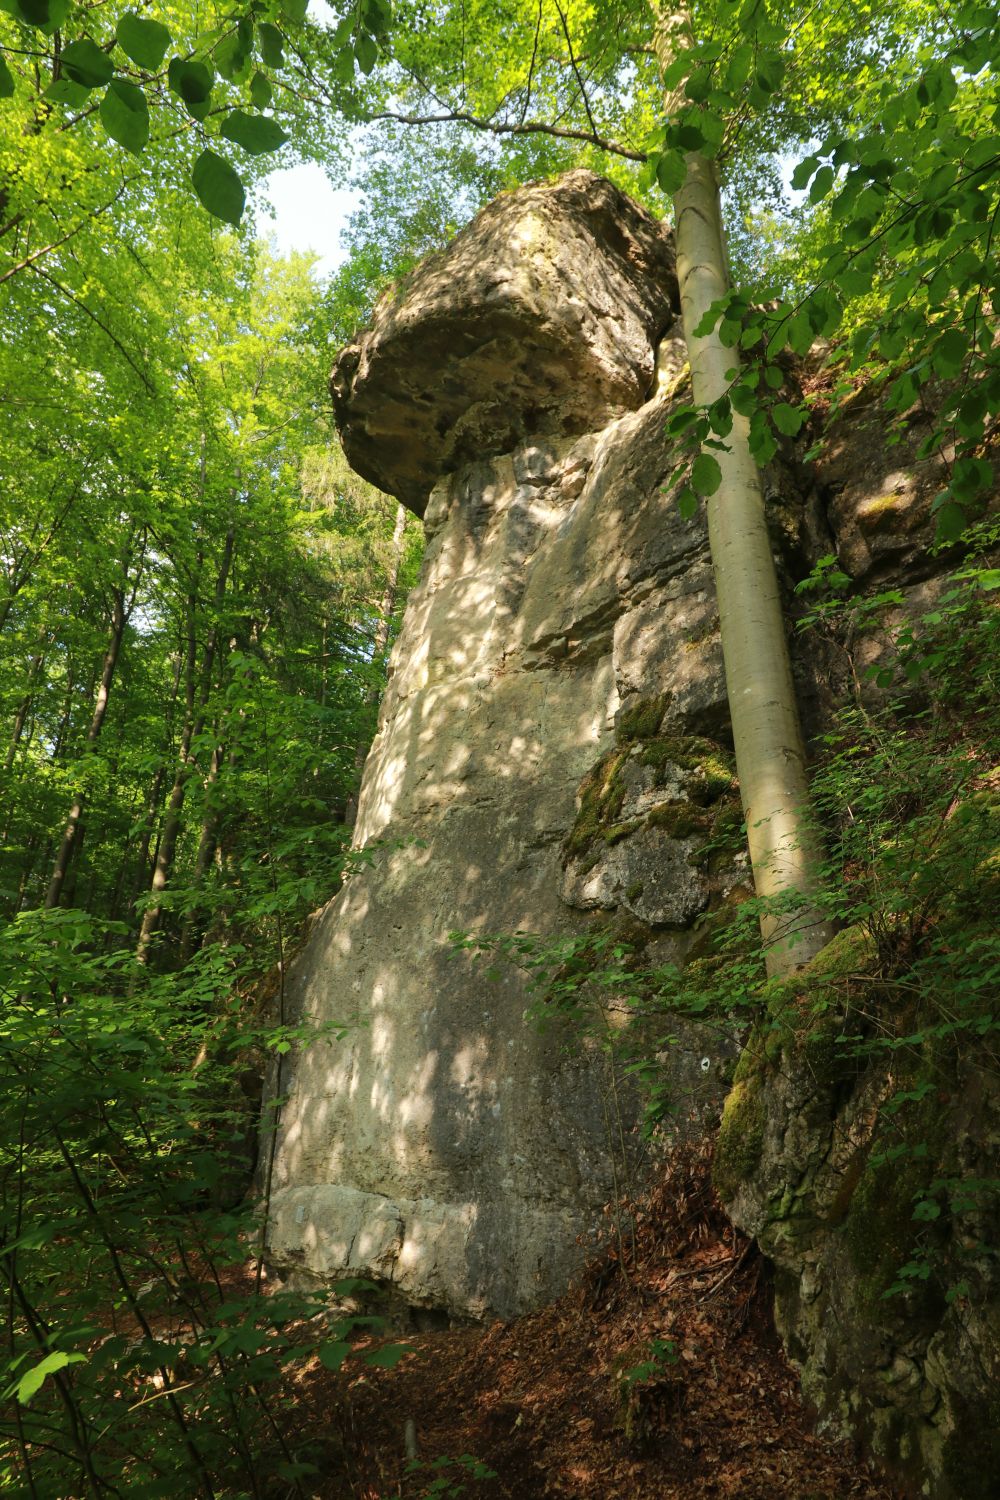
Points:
[[641, 720], [714, 768], [740, 1141], [881, 1232], [805, 1008], [679, 820], [601, 795], [603, 790]]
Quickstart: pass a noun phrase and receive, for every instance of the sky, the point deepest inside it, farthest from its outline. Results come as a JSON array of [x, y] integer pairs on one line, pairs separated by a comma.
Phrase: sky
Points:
[[308, 214]]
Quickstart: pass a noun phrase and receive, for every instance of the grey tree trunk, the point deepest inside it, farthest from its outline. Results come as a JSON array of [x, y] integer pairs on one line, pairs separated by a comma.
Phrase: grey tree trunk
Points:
[[770, 757]]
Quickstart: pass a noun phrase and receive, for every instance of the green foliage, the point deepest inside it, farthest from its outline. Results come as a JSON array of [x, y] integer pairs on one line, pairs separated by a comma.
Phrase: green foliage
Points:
[[196, 601], [60, 55], [451, 1476]]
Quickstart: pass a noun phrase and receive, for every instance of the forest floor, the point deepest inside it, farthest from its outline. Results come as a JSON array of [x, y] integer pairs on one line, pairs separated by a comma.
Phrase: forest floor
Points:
[[546, 1403]]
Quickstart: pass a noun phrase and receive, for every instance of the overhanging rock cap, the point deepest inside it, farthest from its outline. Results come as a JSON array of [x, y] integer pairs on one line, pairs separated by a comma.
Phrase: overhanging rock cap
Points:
[[541, 318]]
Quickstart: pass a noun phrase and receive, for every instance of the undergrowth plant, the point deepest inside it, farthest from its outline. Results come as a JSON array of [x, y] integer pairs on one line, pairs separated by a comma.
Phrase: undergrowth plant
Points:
[[141, 1357]]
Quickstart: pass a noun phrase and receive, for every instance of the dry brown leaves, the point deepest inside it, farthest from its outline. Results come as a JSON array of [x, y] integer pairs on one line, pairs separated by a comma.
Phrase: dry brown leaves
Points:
[[546, 1403]]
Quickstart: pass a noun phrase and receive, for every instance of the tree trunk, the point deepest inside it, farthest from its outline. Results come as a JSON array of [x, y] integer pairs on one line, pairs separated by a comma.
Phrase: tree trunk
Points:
[[20, 718], [194, 721], [193, 927], [72, 833], [141, 876], [770, 757]]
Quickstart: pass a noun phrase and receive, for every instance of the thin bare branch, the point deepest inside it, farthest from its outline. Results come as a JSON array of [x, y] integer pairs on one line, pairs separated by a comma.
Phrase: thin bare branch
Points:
[[529, 127], [576, 70]]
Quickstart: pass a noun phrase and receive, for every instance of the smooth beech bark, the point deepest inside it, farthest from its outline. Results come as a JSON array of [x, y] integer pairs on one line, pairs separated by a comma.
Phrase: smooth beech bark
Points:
[[770, 757]]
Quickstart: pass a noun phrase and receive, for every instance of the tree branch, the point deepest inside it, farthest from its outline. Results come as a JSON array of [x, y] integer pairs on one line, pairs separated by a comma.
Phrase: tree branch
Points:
[[65, 291], [527, 127], [576, 70]]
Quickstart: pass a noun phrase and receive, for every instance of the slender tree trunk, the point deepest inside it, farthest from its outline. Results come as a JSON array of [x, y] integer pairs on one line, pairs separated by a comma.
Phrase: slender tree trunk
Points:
[[142, 869], [194, 721], [24, 707], [193, 927], [770, 757], [72, 833]]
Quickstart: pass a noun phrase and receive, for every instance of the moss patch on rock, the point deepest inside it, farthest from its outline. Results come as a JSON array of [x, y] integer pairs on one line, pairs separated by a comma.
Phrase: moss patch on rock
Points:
[[740, 1141], [641, 720], [679, 820], [601, 794], [713, 768], [707, 774]]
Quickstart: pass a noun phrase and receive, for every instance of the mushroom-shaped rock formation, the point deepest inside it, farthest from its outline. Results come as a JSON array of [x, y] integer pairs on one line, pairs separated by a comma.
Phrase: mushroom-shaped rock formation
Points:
[[563, 623], [540, 319]]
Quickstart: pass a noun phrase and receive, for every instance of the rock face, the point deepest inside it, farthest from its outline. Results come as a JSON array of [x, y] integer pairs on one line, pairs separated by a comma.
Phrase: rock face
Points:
[[535, 749], [540, 320], [551, 758]]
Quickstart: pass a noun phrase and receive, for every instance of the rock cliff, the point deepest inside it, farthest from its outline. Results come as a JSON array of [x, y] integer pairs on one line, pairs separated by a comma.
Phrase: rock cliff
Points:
[[552, 757], [536, 766]]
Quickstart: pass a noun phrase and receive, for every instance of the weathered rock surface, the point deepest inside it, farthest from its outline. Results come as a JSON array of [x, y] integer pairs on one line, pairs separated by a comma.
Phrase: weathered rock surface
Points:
[[551, 758], [444, 1146], [541, 319], [827, 1179]]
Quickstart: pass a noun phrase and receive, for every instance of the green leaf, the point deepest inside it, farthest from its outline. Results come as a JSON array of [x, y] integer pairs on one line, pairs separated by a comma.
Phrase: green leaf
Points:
[[271, 44], [86, 64], [770, 72], [800, 334], [688, 137], [261, 92], [762, 441], [822, 183], [720, 416], [332, 1356], [706, 475], [787, 419], [219, 188], [255, 133], [803, 172], [366, 52], [675, 72], [970, 476], [145, 42], [680, 421], [190, 79], [738, 70], [376, 16], [125, 115], [6, 79], [31, 1383], [687, 503], [949, 353], [295, 10], [388, 1357], [951, 522], [232, 56], [36, 12], [65, 91], [671, 172]]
